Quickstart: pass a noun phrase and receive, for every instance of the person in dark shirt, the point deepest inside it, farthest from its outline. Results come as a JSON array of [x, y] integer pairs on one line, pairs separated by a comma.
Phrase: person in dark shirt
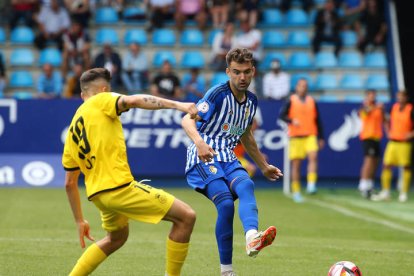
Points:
[[166, 83]]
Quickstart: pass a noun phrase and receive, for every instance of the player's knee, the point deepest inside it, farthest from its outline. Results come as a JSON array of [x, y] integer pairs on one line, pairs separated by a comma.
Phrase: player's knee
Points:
[[242, 182], [189, 217], [118, 239]]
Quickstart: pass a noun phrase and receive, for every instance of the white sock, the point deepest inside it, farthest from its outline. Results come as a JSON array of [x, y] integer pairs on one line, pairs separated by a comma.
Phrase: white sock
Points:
[[370, 184], [311, 185], [227, 267], [249, 233], [363, 184]]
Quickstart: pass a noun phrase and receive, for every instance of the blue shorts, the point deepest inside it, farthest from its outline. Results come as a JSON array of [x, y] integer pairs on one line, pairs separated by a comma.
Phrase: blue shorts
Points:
[[202, 174]]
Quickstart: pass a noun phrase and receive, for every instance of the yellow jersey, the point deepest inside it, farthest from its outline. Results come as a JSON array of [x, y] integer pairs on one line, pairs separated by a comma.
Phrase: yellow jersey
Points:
[[95, 144]]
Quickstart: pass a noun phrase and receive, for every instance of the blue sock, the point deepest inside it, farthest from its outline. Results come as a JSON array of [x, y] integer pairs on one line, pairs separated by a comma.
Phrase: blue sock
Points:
[[243, 186], [223, 200]]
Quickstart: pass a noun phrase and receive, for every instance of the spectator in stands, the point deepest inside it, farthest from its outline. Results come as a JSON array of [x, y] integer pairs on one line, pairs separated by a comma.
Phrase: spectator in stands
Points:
[[190, 9], [327, 27], [250, 38], [2, 74], [222, 43], [135, 69], [49, 83], [118, 5], [276, 83], [110, 60], [23, 11], [352, 11], [248, 10], [79, 11], [219, 11], [166, 83], [286, 5], [160, 10], [374, 26], [305, 137], [76, 47], [53, 21], [371, 114], [399, 128], [194, 86], [72, 88]]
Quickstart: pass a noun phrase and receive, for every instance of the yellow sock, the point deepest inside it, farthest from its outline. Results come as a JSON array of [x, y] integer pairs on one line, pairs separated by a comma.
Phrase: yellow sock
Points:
[[386, 177], [176, 254], [312, 177], [406, 175], [89, 261], [295, 186]]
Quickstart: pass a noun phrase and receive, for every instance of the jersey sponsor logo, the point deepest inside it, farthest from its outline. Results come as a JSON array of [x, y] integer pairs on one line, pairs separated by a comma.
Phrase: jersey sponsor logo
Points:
[[203, 107], [232, 129]]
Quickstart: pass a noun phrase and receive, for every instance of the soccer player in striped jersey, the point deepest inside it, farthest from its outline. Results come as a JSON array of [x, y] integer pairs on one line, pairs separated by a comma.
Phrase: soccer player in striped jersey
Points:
[[95, 146], [225, 116]]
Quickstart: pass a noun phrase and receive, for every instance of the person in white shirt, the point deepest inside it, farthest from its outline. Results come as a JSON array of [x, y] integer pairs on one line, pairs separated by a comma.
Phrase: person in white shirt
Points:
[[135, 69], [276, 83], [250, 38]]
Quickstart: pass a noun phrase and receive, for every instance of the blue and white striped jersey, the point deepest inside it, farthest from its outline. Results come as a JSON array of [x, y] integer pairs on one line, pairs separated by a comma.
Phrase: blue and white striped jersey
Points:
[[223, 122]]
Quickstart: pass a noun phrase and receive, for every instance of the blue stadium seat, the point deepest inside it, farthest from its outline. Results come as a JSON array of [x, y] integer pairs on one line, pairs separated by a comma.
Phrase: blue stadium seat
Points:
[[273, 39], [349, 38], [22, 95], [269, 56], [328, 98], [350, 59], [326, 81], [300, 60], [163, 37], [187, 76], [106, 35], [325, 59], [161, 56], [271, 17], [2, 36], [383, 98], [106, 15], [21, 79], [22, 57], [135, 35], [351, 81], [192, 59], [375, 60], [192, 37], [22, 35], [354, 98], [212, 34], [377, 81], [296, 17], [298, 38], [218, 77], [132, 14], [50, 55], [297, 76]]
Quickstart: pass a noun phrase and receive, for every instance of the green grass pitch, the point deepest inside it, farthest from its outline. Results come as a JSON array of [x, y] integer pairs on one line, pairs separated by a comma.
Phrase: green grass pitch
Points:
[[38, 236]]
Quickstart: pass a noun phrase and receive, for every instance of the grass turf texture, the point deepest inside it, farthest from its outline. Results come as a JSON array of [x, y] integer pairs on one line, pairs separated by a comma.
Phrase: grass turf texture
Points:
[[38, 236]]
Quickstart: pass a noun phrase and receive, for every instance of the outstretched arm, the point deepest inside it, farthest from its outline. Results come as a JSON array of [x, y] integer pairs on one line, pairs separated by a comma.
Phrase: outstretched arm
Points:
[[154, 103], [204, 151], [72, 191], [269, 171]]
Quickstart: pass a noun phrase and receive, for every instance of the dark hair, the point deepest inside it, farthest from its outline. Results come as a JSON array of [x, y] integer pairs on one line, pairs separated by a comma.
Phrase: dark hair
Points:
[[239, 55], [92, 75]]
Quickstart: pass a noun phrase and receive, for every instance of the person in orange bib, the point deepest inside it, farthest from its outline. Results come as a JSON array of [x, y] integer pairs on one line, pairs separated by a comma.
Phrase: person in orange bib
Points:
[[371, 114], [305, 136], [397, 153]]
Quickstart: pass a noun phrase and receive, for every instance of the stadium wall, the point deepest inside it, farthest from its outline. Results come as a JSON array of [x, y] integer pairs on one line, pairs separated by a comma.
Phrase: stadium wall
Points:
[[32, 134]]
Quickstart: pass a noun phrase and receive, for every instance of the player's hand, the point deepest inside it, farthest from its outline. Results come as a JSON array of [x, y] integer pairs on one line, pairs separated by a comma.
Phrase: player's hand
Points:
[[84, 231], [272, 173], [205, 151], [190, 108]]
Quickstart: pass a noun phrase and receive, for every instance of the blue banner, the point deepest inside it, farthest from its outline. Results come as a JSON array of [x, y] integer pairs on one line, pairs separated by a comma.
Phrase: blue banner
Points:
[[34, 130]]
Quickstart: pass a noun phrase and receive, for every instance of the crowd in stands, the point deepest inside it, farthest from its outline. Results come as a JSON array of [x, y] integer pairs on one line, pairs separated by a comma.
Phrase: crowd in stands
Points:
[[66, 25]]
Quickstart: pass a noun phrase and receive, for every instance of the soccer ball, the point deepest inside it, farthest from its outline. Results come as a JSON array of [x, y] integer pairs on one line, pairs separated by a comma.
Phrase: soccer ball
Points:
[[344, 268]]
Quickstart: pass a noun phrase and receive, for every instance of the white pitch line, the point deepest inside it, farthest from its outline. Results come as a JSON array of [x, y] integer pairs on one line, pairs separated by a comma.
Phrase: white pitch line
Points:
[[349, 213]]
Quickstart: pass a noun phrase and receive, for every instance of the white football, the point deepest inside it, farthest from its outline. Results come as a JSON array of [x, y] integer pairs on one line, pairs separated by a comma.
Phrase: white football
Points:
[[344, 268]]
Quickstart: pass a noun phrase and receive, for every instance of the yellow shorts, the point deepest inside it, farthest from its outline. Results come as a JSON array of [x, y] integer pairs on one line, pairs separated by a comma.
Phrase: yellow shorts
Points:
[[397, 154], [299, 147], [137, 201]]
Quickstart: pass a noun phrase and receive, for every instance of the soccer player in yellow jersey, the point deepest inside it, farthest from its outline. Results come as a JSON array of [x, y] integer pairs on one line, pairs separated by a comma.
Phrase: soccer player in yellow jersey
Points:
[[95, 146]]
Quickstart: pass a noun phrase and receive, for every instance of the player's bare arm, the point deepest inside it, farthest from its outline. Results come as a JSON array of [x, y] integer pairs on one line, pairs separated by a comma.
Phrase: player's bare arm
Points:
[[205, 152], [269, 171], [72, 191], [154, 103]]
